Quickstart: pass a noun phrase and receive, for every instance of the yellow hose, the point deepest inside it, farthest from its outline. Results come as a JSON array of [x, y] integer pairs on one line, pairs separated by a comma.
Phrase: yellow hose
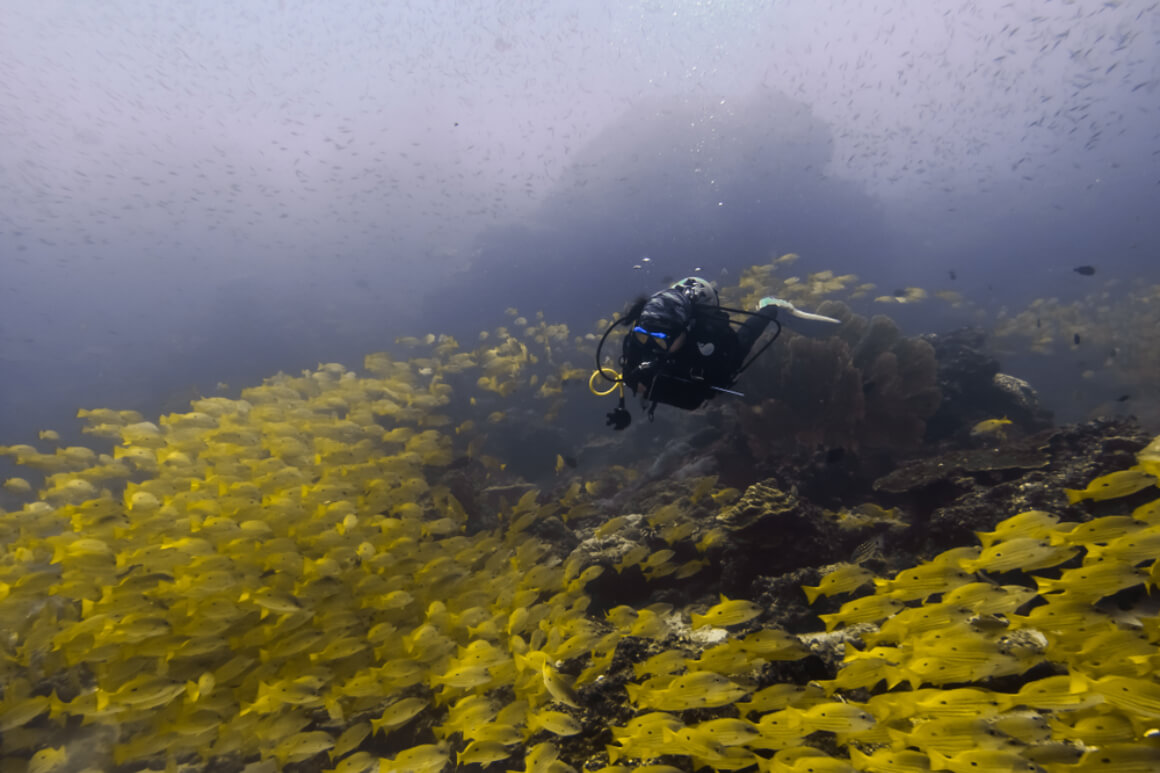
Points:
[[617, 381]]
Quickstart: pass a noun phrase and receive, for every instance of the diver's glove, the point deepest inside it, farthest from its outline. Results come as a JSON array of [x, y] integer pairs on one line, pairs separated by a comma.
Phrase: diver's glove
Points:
[[646, 370], [783, 305]]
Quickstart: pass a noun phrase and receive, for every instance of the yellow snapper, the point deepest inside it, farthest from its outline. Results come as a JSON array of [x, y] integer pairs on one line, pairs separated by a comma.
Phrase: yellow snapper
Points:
[[1113, 485]]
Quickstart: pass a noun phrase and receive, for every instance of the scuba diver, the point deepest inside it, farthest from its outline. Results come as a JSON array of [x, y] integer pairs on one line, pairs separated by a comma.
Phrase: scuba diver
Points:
[[682, 348]]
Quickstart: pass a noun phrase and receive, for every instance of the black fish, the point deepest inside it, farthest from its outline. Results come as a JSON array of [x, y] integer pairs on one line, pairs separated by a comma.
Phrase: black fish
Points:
[[953, 274], [835, 455], [1122, 398], [1085, 270], [1076, 339], [901, 293], [569, 460]]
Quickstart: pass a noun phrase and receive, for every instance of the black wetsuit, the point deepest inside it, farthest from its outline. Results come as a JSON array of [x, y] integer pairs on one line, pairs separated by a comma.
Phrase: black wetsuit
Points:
[[707, 361]]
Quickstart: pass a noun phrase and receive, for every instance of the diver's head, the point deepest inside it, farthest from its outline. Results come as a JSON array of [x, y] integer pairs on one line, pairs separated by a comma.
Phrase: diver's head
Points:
[[699, 291], [664, 320]]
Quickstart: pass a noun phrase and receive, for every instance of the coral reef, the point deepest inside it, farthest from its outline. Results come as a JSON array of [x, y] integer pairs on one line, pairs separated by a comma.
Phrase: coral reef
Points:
[[340, 571], [865, 386]]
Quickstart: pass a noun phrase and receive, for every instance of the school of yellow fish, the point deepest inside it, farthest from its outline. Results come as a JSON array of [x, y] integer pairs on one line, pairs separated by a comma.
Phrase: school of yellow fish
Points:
[[281, 578]]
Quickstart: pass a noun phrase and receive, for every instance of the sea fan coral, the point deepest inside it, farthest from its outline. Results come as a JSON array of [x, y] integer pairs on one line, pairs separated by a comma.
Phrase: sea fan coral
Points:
[[865, 385]]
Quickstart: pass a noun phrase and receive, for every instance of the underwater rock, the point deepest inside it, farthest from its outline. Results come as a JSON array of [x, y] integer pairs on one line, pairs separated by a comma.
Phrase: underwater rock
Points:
[[831, 646], [1023, 397], [761, 502], [973, 388], [1098, 447], [983, 486], [668, 460], [607, 551], [697, 468], [466, 480], [771, 532], [937, 469]]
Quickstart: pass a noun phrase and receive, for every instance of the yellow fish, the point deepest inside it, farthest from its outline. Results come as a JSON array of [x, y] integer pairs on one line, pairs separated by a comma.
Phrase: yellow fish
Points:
[[729, 731], [1063, 615], [483, 753], [845, 579], [1031, 523], [1093, 581], [779, 696], [49, 760], [1148, 513], [985, 598], [1099, 530], [779, 730], [555, 722], [772, 644], [19, 713], [1019, 553], [1057, 693], [1121, 758], [983, 759], [901, 761], [399, 713], [303, 746], [1025, 727], [1140, 697], [17, 485], [1149, 457], [990, 427], [1129, 549], [963, 702], [1097, 730], [921, 582], [834, 718], [805, 758], [868, 609], [1113, 485], [427, 758], [728, 612], [696, 689], [948, 735]]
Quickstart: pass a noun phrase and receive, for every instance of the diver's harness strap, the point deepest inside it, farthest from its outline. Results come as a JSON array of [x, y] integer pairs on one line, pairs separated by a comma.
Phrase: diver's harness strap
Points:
[[652, 408]]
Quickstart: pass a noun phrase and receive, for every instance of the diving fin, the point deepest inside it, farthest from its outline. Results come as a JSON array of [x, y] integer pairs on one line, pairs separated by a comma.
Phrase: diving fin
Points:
[[785, 305]]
